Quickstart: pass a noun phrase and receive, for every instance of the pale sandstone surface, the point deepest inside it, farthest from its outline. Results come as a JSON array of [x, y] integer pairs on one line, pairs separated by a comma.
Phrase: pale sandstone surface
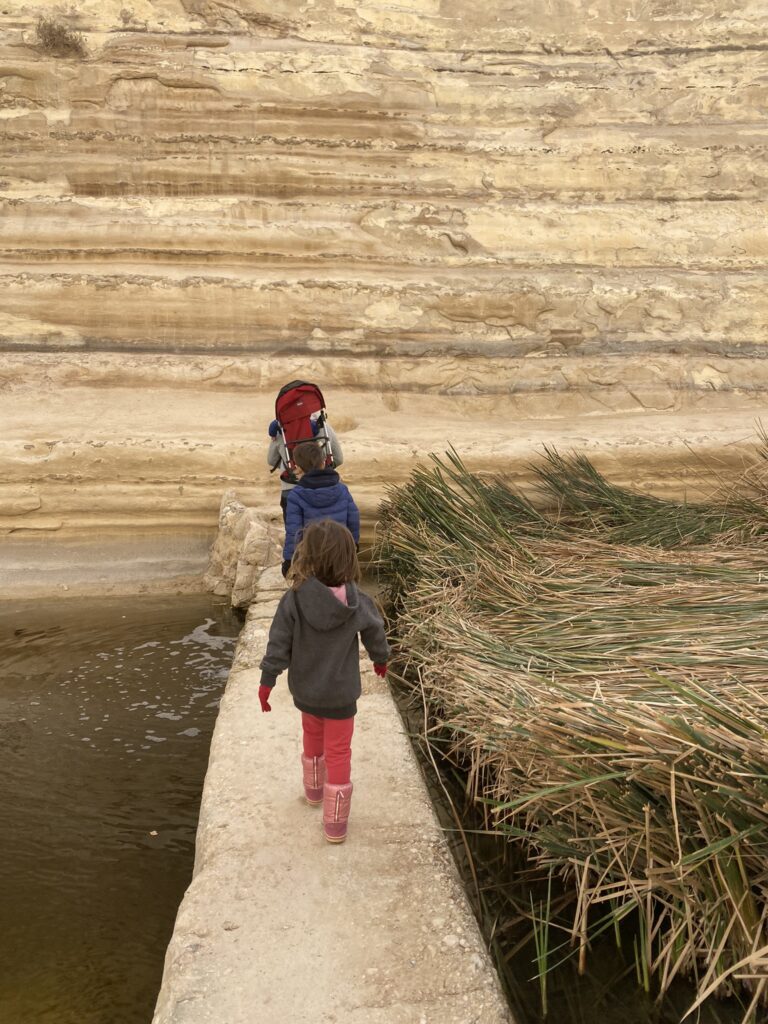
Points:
[[473, 224], [248, 541], [58, 561], [152, 462], [277, 925]]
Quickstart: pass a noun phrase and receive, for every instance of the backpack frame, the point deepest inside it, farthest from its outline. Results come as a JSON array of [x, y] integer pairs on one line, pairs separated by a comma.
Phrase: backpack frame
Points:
[[301, 416]]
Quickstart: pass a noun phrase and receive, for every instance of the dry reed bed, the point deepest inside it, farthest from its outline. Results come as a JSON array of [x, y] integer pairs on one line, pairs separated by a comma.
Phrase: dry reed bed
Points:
[[609, 700]]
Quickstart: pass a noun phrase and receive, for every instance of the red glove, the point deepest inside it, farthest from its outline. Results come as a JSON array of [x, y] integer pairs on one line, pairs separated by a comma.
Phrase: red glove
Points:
[[264, 692], [380, 670]]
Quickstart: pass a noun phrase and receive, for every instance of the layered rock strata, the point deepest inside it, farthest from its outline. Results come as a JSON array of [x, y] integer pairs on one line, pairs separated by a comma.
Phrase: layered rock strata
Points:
[[470, 224]]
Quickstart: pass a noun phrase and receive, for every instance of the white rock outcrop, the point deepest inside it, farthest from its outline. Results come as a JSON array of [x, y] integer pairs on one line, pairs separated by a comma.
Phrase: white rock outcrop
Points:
[[247, 542]]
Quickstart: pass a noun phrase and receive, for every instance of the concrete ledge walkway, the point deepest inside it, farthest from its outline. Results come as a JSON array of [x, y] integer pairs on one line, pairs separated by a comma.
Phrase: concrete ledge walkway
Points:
[[280, 927]]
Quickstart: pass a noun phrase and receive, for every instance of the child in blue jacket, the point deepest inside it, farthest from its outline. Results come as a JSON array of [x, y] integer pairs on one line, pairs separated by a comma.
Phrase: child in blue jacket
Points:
[[319, 494]]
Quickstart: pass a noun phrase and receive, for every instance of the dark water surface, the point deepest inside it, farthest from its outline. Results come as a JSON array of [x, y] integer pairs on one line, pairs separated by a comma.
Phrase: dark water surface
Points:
[[106, 711]]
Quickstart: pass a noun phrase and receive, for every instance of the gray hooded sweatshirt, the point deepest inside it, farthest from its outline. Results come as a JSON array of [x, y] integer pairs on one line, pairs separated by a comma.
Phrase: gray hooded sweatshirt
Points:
[[314, 636]]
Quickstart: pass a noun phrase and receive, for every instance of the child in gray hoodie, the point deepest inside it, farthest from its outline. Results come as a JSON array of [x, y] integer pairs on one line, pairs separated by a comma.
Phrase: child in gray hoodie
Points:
[[314, 634]]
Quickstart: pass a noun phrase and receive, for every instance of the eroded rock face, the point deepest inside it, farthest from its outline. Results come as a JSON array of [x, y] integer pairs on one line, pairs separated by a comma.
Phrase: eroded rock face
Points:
[[470, 224], [247, 542]]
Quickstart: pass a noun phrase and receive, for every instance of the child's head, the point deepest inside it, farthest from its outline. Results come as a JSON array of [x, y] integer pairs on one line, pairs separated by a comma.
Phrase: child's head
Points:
[[327, 552], [308, 456]]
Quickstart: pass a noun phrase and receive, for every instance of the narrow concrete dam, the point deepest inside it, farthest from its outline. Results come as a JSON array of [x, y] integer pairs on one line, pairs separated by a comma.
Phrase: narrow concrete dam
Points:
[[277, 924]]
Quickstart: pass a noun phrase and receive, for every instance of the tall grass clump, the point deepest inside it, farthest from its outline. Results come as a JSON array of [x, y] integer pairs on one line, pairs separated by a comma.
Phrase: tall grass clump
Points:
[[606, 695], [587, 502]]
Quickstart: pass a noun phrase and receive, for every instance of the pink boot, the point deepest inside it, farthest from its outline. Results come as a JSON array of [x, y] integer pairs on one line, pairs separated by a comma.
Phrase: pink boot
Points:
[[314, 776], [336, 803]]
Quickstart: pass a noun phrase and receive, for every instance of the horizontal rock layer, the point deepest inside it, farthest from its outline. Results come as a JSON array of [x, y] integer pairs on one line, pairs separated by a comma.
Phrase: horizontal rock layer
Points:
[[471, 225]]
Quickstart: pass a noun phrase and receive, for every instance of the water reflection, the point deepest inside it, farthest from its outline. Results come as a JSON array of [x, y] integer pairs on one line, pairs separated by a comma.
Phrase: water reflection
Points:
[[106, 710]]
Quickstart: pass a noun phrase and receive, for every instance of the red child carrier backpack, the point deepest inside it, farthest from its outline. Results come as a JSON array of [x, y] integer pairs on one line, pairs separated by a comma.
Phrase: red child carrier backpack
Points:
[[300, 414]]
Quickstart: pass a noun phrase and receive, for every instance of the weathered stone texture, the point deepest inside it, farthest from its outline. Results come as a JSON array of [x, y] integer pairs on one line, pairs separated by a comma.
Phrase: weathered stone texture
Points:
[[247, 542], [457, 218]]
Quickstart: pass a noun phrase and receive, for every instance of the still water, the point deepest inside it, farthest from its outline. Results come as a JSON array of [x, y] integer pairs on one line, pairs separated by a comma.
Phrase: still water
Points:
[[106, 712]]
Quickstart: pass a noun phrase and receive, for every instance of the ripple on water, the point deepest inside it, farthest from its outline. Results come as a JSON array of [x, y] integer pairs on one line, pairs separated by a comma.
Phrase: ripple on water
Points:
[[106, 711]]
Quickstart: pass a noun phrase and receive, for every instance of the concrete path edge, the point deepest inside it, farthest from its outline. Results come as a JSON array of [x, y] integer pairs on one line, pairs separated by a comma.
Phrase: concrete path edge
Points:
[[280, 927]]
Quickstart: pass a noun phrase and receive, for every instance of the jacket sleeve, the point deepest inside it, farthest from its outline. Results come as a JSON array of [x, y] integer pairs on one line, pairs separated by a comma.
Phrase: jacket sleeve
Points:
[[353, 518], [336, 452], [278, 654], [275, 452], [294, 524], [372, 633]]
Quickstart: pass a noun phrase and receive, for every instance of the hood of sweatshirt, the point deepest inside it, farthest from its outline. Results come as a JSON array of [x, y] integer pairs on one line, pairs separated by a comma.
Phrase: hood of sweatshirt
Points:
[[321, 609], [323, 498], [316, 479]]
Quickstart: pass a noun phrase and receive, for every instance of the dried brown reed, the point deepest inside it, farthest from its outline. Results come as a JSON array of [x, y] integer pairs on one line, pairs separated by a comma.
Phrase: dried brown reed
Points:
[[608, 700]]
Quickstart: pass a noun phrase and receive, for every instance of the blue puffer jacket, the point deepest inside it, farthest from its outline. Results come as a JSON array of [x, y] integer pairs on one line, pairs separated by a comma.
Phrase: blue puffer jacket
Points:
[[318, 495]]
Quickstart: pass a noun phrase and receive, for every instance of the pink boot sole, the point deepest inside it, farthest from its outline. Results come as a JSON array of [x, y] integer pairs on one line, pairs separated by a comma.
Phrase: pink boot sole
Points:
[[313, 771]]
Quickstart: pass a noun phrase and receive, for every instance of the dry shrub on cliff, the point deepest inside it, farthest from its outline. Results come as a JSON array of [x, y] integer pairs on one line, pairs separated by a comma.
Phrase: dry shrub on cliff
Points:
[[57, 39], [608, 702]]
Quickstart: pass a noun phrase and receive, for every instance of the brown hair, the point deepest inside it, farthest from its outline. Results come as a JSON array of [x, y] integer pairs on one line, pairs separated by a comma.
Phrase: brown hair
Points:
[[326, 551], [307, 456]]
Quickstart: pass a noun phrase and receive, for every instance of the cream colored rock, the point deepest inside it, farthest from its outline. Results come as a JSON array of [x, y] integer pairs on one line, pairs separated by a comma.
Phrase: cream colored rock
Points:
[[248, 542], [470, 228], [236, 523], [261, 547], [18, 501]]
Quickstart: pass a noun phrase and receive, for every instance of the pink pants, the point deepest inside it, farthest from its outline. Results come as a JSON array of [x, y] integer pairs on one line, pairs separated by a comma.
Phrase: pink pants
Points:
[[332, 737]]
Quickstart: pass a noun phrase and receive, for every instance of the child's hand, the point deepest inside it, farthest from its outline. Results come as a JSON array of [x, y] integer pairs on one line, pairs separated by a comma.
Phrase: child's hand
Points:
[[380, 670], [264, 692]]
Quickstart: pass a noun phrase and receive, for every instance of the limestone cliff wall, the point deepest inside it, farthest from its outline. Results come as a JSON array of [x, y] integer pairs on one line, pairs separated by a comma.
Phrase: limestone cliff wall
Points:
[[485, 224]]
